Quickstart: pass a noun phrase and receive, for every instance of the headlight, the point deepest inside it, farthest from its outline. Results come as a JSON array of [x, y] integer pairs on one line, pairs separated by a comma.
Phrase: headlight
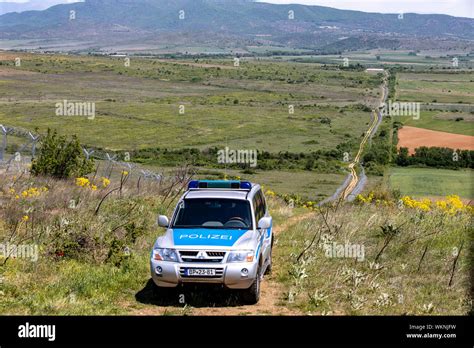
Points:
[[165, 255], [241, 256]]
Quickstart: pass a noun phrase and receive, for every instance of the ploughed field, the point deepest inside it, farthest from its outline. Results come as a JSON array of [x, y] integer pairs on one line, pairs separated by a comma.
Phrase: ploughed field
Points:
[[412, 138]]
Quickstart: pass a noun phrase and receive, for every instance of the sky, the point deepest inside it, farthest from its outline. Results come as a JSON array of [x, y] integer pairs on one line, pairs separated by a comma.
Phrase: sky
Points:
[[23, 1], [460, 8]]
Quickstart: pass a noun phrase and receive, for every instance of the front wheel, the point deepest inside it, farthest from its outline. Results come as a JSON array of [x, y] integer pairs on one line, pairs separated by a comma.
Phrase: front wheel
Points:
[[252, 295]]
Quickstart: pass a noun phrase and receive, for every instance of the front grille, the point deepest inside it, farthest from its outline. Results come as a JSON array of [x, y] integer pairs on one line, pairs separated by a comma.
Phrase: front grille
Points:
[[188, 253], [219, 274], [202, 256], [216, 254]]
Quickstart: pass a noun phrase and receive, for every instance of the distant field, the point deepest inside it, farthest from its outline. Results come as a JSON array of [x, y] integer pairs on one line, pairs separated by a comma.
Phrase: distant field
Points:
[[421, 182], [386, 57], [307, 184], [245, 107], [413, 138], [439, 87], [443, 121]]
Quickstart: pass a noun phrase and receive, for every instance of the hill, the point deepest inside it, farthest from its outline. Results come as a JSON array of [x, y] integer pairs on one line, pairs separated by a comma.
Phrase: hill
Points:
[[229, 23]]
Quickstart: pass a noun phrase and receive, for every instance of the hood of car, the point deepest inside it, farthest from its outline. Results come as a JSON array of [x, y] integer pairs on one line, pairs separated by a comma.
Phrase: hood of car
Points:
[[209, 237]]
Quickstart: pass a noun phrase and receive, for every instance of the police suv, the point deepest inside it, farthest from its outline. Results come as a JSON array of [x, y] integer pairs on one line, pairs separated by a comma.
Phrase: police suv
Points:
[[220, 233]]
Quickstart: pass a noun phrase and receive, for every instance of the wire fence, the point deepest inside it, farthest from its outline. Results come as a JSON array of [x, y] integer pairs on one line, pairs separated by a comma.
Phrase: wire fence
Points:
[[20, 159]]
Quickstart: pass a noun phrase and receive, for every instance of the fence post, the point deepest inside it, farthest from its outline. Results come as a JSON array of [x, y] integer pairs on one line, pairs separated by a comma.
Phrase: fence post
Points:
[[4, 143], [34, 143], [88, 153], [111, 160]]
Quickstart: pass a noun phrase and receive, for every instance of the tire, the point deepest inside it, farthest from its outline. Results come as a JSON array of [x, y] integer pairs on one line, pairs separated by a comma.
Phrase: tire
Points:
[[251, 295]]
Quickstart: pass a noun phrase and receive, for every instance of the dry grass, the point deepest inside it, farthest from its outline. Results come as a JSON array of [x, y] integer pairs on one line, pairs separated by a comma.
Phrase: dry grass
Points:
[[406, 269]]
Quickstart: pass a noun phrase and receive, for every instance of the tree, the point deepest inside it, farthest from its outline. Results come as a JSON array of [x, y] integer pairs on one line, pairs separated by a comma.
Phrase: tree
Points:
[[61, 158], [403, 158]]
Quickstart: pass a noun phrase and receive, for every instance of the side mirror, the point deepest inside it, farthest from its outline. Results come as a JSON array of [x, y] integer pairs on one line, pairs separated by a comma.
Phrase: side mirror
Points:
[[163, 221], [265, 223]]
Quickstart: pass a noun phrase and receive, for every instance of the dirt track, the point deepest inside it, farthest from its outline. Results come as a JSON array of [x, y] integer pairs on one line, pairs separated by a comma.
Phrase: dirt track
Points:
[[354, 178], [352, 167]]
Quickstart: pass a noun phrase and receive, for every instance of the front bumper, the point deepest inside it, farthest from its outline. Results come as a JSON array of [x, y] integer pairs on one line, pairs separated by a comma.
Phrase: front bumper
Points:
[[228, 274]]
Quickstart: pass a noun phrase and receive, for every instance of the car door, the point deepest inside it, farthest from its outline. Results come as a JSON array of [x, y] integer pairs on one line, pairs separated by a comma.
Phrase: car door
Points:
[[268, 234], [258, 211]]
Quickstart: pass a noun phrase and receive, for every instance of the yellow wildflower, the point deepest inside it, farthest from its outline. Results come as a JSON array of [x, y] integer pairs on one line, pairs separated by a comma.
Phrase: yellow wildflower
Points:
[[83, 182], [105, 182]]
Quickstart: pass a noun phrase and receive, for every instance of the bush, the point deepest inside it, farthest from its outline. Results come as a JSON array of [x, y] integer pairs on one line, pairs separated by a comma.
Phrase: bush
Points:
[[436, 157], [61, 158], [403, 158]]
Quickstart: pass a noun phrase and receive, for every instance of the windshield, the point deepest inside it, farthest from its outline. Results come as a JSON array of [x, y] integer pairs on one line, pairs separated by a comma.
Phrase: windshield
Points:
[[213, 213]]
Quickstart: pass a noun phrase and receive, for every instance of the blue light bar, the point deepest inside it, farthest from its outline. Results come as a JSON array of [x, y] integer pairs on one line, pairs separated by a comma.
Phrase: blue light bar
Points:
[[245, 185], [223, 184], [193, 184]]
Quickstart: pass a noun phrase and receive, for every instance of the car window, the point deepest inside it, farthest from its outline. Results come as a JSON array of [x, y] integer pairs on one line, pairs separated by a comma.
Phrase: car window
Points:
[[213, 213], [259, 208], [264, 204], [255, 208], [262, 207]]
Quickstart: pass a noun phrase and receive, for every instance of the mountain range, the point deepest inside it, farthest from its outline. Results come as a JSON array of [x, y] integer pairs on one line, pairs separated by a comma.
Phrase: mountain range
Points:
[[233, 22]]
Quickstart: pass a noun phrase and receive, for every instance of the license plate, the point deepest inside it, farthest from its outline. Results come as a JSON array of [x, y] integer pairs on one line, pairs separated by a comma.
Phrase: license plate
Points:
[[200, 272]]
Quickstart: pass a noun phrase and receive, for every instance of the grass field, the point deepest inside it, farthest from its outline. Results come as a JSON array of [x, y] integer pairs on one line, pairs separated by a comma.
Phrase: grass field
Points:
[[309, 185], [129, 126], [382, 57], [421, 182], [242, 107], [188, 103], [443, 121], [436, 87], [194, 103]]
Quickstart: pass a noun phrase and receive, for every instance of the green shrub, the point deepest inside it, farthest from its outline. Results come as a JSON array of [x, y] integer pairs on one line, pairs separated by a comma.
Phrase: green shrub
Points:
[[61, 158], [437, 157]]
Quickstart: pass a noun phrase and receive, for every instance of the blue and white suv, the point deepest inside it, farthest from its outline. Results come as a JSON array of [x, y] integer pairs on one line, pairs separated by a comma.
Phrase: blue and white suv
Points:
[[220, 233]]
